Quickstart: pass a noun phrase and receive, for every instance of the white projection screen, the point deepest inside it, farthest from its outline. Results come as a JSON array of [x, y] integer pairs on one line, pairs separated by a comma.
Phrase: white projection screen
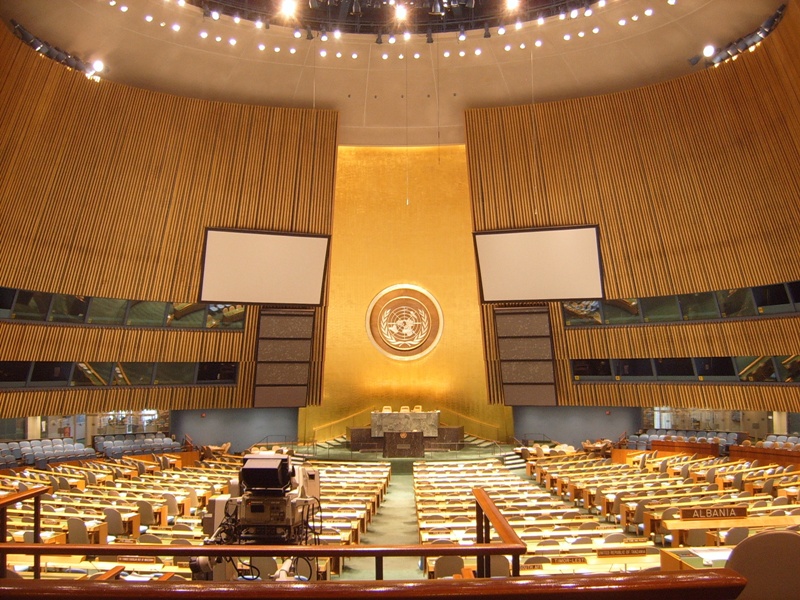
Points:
[[540, 264], [256, 267]]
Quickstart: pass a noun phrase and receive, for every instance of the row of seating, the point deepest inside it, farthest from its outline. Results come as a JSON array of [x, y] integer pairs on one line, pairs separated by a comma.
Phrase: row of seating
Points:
[[98, 440], [42, 452], [119, 448]]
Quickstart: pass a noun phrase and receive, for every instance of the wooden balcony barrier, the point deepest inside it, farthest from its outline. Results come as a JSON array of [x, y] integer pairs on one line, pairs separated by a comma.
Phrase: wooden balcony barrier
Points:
[[711, 584]]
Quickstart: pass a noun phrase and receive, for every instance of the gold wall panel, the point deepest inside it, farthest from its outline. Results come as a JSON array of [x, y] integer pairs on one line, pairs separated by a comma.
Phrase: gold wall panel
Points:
[[402, 216], [693, 183]]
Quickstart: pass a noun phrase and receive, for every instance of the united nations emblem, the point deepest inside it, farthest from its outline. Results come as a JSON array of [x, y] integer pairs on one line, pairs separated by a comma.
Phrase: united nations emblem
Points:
[[404, 322]]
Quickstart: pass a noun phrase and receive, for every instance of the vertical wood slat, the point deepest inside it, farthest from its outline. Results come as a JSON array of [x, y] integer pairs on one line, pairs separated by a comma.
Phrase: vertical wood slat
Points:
[[107, 191], [692, 183]]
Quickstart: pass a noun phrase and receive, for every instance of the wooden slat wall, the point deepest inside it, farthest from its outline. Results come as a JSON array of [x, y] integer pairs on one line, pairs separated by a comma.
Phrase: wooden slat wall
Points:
[[107, 190], [694, 185]]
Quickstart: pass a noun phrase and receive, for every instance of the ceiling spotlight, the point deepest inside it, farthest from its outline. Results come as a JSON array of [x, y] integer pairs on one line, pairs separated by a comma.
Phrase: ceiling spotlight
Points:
[[98, 66], [406, 35], [501, 30], [288, 8], [337, 34], [355, 9], [461, 33], [512, 5], [708, 51], [486, 32], [392, 39], [259, 23], [400, 12], [297, 33], [215, 14], [236, 18], [323, 34], [309, 33], [573, 14], [429, 36], [379, 39], [436, 8]]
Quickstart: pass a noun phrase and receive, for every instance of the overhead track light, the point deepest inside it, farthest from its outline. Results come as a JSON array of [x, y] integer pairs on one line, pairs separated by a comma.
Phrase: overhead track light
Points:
[[486, 32]]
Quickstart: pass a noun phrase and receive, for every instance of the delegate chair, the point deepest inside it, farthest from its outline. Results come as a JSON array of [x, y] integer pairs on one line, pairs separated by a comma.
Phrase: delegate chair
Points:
[[769, 562], [447, 566], [77, 532]]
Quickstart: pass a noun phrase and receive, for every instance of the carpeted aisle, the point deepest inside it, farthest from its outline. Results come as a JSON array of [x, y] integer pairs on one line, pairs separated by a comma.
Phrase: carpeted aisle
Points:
[[394, 524]]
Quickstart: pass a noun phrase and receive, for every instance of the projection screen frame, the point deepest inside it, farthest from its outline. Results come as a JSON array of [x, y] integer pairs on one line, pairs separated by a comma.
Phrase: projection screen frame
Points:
[[262, 232], [596, 228]]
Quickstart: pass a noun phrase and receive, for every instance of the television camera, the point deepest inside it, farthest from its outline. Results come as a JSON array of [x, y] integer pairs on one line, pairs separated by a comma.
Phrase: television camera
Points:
[[278, 505]]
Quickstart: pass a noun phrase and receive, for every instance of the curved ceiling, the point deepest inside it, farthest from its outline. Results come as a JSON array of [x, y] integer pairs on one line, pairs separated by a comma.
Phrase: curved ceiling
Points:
[[407, 93]]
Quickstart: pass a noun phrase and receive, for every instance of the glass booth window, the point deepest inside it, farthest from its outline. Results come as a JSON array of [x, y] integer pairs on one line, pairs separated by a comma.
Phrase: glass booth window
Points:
[[133, 373], [698, 306], [187, 315], [674, 368], [715, 367], [736, 303], [626, 368], [148, 314], [589, 369], [622, 311], [107, 311], [6, 302], [50, 374], [772, 299], [175, 373], [215, 372], [755, 368], [69, 309], [662, 309], [86, 374], [14, 373], [582, 313], [31, 306]]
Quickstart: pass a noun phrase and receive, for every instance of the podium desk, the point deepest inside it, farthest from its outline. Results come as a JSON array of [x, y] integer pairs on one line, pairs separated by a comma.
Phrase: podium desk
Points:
[[403, 444]]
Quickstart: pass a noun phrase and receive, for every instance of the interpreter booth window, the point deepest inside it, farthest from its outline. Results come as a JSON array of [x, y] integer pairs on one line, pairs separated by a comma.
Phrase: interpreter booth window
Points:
[[592, 370], [715, 368], [675, 369], [69, 309], [794, 292], [788, 368], [50, 374], [660, 309], [147, 314], [107, 311], [6, 302], [624, 311], [133, 373], [88, 374], [175, 373], [217, 372], [582, 314], [633, 368], [191, 316], [755, 368], [14, 373], [772, 299], [32, 306], [695, 307], [736, 303]]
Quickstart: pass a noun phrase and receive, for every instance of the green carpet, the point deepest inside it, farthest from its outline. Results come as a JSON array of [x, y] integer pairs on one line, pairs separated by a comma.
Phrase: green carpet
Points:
[[394, 524]]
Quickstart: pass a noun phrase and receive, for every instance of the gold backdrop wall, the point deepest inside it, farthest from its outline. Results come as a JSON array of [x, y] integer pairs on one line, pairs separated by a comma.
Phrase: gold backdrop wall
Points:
[[402, 216], [694, 184]]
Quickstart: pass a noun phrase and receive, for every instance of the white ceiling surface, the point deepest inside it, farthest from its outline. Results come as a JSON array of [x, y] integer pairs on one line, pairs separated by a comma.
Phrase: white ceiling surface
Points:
[[389, 101]]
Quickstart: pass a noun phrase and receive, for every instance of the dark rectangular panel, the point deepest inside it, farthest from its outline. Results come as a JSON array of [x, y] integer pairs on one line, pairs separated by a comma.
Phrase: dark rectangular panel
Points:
[[529, 395], [282, 373], [287, 326], [527, 371], [525, 348], [283, 350], [283, 396], [531, 324]]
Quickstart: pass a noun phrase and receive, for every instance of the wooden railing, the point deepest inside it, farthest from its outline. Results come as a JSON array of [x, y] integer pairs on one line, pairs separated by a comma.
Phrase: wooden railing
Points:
[[710, 584]]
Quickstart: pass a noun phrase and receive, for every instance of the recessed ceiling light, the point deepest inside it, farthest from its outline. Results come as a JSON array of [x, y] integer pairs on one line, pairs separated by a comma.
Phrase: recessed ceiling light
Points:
[[446, 54], [262, 47], [478, 51], [176, 27], [204, 34], [292, 50], [218, 38], [98, 66], [522, 46], [461, 53], [507, 48], [277, 48], [635, 18], [538, 43], [596, 30], [123, 8], [416, 55], [232, 41], [338, 55], [708, 51], [354, 55], [384, 56], [149, 18], [648, 12], [622, 22], [323, 53], [567, 37]]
